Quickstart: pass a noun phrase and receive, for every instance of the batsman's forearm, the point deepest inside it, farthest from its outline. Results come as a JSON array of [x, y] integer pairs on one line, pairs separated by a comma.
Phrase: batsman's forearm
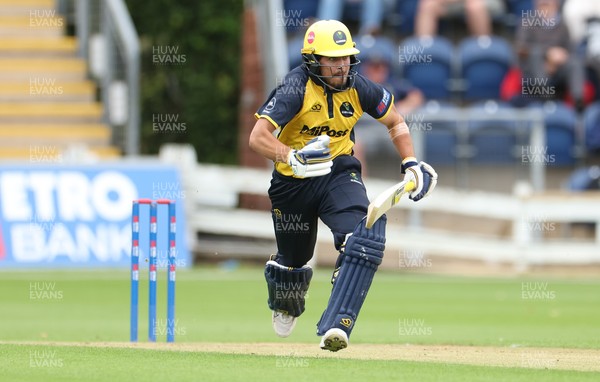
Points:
[[400, 136], [264, 143], [405, 148]]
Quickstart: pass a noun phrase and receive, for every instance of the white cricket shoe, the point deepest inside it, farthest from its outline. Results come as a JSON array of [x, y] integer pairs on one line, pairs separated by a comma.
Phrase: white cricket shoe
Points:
[[283, 323], [334, 339]]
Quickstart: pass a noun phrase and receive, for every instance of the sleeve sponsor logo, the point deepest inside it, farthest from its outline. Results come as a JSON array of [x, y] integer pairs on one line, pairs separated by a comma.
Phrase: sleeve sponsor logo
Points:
[[270, 106], [385, 100]]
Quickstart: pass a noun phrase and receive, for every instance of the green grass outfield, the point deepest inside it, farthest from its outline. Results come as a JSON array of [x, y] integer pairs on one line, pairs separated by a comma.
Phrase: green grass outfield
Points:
[[229, 306]]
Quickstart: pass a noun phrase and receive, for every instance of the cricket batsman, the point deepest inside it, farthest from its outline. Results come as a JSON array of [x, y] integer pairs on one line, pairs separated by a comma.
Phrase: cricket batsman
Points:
[[306, 128]]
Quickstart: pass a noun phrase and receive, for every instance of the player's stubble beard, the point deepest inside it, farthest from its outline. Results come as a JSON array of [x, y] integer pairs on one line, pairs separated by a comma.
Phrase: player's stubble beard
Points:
[[338, 77]]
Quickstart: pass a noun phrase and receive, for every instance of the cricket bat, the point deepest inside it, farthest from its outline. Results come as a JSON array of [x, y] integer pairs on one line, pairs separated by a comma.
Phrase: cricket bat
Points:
[[386, 200]]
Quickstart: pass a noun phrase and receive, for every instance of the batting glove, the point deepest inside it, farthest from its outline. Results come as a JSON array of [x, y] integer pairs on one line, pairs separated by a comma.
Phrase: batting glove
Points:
[[312, 160], [422, 174]]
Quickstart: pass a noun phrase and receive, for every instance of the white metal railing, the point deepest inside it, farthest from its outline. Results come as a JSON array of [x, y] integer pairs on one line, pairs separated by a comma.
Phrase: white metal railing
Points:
[[214, 191], [273, 41], [108, 41]]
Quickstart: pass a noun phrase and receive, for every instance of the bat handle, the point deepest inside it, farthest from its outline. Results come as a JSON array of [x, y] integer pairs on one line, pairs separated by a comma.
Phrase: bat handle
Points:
[[409, 186]]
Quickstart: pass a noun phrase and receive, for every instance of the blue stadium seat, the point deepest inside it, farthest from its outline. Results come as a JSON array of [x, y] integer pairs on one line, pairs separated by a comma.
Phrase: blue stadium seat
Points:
[[560, 121], [493, 141], [484, 61], [427, 63], [591, 125], [441, 138]]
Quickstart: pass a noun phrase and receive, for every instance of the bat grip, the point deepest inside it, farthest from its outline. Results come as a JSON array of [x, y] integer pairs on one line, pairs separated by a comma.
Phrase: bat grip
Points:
[[409, 186]]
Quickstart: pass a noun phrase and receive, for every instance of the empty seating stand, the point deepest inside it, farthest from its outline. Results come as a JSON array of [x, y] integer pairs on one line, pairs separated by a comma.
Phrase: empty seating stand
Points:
[[561, 121], [47, 103], [484, 62], [427, 63]]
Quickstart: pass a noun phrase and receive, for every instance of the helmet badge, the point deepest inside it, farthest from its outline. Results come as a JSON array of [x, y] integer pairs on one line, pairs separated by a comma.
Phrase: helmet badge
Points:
[[339, 37], [311, 37]]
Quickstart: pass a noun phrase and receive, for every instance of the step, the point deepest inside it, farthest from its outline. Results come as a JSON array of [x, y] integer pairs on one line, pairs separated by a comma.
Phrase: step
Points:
[[38, 24], [50, 112], [43, 89], [36, 134], [37, 4], [49, 154], [24, 7], [38, 47], [26, 68]]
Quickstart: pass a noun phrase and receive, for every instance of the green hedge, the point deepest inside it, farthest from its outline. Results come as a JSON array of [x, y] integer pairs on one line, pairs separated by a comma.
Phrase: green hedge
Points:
[[190, 74]]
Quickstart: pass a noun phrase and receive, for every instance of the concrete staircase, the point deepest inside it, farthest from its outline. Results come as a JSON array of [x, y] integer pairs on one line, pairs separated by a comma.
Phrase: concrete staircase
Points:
[[47, 104]]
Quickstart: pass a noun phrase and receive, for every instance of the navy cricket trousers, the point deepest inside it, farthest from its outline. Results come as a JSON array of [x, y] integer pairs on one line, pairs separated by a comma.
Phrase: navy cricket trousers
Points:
[[339, 199]]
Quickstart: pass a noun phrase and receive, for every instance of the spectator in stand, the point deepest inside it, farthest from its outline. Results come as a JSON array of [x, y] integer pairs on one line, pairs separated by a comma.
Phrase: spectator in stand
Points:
[[477, 14], [544, 51], [378, 70], [378, 66]]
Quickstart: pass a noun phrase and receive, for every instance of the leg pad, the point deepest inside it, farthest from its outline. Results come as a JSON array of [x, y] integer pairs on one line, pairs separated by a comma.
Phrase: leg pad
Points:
[[362, 254], [287, 287]]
